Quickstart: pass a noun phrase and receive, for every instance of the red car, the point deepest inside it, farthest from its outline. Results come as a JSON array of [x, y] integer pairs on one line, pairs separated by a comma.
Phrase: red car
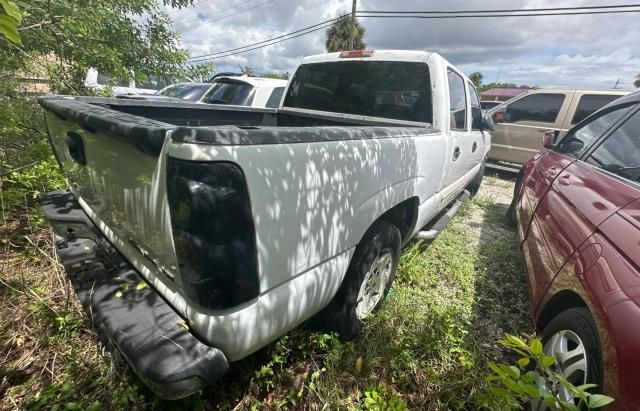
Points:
[[577, 208]]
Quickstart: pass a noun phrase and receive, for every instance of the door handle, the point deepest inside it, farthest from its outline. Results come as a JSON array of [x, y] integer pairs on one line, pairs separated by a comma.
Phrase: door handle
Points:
[[564, 179], [474, 147], [456, 153], [76, 147]]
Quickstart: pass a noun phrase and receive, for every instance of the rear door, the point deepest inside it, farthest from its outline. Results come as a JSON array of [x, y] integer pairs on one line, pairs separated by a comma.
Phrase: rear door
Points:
[[519, 136], [581, 196], [479, 139], [461, 140], [614, 281]]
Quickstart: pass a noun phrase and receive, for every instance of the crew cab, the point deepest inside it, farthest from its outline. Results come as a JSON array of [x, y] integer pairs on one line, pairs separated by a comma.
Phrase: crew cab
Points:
[[521, 121], [577, 207], [196, 234]]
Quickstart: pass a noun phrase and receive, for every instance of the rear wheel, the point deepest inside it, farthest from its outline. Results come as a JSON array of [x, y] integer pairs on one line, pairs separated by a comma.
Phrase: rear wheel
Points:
[[367, 281], [571, 338]]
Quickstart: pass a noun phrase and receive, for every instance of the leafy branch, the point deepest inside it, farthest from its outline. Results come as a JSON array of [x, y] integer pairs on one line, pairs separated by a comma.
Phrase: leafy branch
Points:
[[534, 380], [10, 19]]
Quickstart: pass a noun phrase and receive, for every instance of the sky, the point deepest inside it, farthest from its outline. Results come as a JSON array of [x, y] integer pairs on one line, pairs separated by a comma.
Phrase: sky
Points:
[[593, 51]]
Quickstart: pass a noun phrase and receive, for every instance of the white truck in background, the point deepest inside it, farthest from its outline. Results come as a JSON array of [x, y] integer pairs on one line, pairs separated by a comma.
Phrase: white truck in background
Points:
[[246, 222], [98, 81]]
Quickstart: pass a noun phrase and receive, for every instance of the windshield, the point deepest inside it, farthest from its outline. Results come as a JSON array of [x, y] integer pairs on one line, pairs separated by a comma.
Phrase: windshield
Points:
[[236, 93], [153, 83], [104, 80], [190, 92], [397, 90]]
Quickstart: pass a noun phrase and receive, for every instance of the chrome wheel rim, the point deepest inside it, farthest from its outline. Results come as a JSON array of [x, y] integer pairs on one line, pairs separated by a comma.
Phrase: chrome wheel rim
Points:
[[374, 284], [567, 349]]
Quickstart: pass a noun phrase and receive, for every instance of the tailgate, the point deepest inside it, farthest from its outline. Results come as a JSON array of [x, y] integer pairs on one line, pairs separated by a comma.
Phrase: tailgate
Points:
[[113, 166]]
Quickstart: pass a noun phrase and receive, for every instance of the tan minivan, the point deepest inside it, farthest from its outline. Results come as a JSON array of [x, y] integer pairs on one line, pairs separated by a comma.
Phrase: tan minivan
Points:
[[521, 121]]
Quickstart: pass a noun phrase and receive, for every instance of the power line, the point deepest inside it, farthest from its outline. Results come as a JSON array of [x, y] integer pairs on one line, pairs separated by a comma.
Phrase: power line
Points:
[[323, 24], [208, 20], [212, 21], [196, 3], [538, 12], [460, 16], [502, 10], [288, 37]]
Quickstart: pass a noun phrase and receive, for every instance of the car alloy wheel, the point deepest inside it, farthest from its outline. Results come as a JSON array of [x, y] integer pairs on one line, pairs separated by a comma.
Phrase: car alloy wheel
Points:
[[571, 360], [374, 284], [571, 338]]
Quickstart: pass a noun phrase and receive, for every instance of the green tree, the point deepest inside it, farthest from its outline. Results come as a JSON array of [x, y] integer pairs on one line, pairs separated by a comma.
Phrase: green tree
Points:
[[476, 78], [276, 75], [339, 35], [485, 87], [247, 71], [637, 81], [10, 19], [200, 72], [120, 38]]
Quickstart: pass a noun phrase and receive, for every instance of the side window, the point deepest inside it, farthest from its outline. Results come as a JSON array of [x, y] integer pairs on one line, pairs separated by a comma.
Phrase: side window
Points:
[[620, 152], [577, 141], [590, 103], [476, 110], [536, 107], [457, 101]]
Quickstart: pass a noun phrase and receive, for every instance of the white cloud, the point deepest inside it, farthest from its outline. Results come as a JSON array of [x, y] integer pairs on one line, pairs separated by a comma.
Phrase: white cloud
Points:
[[569, 51]]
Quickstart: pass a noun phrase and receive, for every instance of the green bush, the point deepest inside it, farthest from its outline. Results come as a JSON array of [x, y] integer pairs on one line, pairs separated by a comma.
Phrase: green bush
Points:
[[533, 379]]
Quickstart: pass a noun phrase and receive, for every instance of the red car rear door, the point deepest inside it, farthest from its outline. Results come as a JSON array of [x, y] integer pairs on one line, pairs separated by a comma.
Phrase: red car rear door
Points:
[[577, 199], [613, 283]]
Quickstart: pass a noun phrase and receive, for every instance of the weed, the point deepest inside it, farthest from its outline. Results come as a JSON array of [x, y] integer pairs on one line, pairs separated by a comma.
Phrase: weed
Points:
[[534, 379], [380, 399]]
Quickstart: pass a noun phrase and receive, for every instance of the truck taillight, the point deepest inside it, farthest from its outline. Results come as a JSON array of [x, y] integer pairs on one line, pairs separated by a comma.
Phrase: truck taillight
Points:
[[213, 232], [356, 53]]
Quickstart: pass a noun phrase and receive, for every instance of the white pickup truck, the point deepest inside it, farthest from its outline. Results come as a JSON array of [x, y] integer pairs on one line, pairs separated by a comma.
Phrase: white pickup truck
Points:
[[195, 235]]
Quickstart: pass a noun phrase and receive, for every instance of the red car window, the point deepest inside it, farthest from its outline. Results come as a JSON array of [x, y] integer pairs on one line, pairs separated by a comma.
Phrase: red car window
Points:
[[620, 152], [578, 141]]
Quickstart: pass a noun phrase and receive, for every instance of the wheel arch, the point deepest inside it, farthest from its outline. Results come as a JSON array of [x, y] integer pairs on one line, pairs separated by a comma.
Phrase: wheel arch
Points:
[[403, 215], [561, 301]]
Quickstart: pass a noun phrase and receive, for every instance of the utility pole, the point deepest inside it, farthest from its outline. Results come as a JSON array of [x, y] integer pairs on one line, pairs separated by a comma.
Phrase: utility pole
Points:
[[353, 24]]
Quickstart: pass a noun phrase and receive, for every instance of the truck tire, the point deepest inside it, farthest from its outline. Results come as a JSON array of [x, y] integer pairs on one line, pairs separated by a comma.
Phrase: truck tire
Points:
[[366, 283], [574, 335], [474, 185]]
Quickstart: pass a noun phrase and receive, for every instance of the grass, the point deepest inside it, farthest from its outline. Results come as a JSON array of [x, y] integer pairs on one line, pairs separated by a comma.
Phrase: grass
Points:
[[426, 348]]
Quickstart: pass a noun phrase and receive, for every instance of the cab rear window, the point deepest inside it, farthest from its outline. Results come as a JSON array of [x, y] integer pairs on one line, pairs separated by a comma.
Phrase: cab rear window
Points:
[[396, 90], [230, 92]]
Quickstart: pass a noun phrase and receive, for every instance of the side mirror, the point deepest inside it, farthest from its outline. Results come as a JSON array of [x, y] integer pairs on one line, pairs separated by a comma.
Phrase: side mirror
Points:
[[487, 122], [549, 139]]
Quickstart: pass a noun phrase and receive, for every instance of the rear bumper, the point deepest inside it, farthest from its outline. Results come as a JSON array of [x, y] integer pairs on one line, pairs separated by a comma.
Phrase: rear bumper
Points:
[[126, 311]]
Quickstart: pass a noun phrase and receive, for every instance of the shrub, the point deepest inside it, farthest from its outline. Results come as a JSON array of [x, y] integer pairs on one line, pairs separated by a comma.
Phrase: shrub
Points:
[[533, 379]]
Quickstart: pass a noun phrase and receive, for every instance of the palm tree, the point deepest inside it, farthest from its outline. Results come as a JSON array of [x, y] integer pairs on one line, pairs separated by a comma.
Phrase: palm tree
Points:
[[339, 35], [637, 82], [476, 78]]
